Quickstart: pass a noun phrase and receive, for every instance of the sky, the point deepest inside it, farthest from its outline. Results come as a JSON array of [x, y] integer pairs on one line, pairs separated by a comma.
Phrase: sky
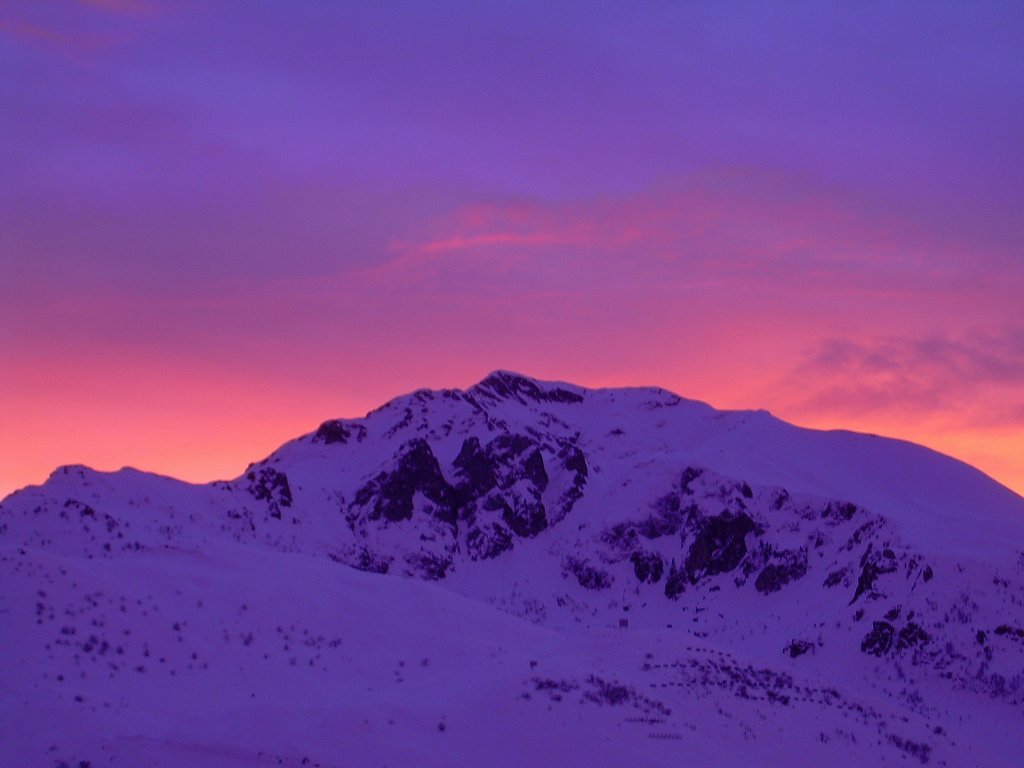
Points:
[[222, 223]]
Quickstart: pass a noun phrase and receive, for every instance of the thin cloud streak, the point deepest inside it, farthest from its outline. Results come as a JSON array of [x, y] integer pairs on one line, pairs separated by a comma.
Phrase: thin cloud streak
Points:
[[971, 379], [780, 233]]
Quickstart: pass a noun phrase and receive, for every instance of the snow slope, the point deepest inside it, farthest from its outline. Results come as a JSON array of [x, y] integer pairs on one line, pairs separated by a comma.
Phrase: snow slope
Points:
[[521, 573]]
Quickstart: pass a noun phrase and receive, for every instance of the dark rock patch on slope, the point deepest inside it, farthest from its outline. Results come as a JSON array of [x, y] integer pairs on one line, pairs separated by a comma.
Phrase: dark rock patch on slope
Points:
[[268, 484], [339, 431], [502, 384]]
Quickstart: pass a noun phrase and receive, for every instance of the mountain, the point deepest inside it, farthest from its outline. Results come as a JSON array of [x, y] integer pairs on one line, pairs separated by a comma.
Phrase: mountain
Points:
[[522, 572]]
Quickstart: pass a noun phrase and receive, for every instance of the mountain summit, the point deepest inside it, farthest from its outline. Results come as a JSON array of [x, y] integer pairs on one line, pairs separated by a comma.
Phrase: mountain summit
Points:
[[522, 572]]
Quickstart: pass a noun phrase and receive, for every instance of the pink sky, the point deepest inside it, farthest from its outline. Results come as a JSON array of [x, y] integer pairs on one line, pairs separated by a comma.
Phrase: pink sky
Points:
[[221, 224]]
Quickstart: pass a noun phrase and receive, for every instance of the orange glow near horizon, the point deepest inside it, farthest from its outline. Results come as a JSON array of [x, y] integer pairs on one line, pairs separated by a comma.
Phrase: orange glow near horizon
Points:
[[739, 301], [200, 434]]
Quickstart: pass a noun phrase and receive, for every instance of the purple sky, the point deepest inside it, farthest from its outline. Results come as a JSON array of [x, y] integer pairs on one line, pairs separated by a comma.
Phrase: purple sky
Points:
[[223, 222]]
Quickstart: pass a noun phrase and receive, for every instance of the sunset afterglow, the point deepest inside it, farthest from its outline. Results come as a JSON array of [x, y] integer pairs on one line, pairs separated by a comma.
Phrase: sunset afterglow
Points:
[[223, 223]]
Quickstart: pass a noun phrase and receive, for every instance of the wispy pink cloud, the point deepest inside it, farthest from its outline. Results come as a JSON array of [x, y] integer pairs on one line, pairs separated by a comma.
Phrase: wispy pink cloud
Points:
[[972, 378], [24, 30], [734, 228], [130, 7], [75, 27], [960, 392]]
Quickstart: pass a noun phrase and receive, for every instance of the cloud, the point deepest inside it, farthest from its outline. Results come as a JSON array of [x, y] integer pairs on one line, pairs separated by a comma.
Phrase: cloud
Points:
[[77, 27], [130, 7], [36, 34], [735, 232], [973, 378]]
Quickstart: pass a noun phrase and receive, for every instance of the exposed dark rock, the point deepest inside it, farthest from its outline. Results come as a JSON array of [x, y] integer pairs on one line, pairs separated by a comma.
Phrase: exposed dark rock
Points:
[[508, 385], [667, 518], [475, 469], [609, 693], [574, 461], [878, 641], [267, 484], [338, 431], [798, 648], [367, 561], [689, 475], [675, 584], [506, 453], [549, 685], [567, 501], [526, 519], [911, 635], [928, 573], [648, 566], [873, 564], [836, 577], [919, 750], [487, 542], [513, 467], [774, 576], [392, 492], [429, 566], [839, 511], [406, 420], [1009, 631], [84, 510], [719, 546], [494, 502], [535, 471], [508, 475], [621, 536], [587, 575]]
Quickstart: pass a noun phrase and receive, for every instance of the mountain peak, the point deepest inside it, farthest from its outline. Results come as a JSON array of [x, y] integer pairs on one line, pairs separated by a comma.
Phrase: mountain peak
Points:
[[755, 571], [508, 385]]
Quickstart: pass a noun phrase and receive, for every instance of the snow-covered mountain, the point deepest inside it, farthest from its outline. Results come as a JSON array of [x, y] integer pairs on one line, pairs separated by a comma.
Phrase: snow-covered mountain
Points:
[[522, 573]]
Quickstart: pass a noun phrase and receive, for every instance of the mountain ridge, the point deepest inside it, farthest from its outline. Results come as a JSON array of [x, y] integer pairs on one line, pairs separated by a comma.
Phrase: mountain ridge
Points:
[[511, 386], [722, 546]]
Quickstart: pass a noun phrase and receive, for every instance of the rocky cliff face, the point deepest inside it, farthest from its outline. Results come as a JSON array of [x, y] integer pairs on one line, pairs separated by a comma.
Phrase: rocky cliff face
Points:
[[499, 492]]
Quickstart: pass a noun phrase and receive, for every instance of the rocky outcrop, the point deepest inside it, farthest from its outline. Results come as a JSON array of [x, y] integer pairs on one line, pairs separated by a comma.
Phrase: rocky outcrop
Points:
[[367, 561], [648, 566], [506, 479], [884, 638], [787, 567], [427, 565], [910, 636], [475, 470], [588, 576], [873, 564], [488, 541], [878, 641], [339, 431], [798, 648], [719, 546], [389, 496], [675, 583], [492, 494], [269, 485], [504, 385]]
